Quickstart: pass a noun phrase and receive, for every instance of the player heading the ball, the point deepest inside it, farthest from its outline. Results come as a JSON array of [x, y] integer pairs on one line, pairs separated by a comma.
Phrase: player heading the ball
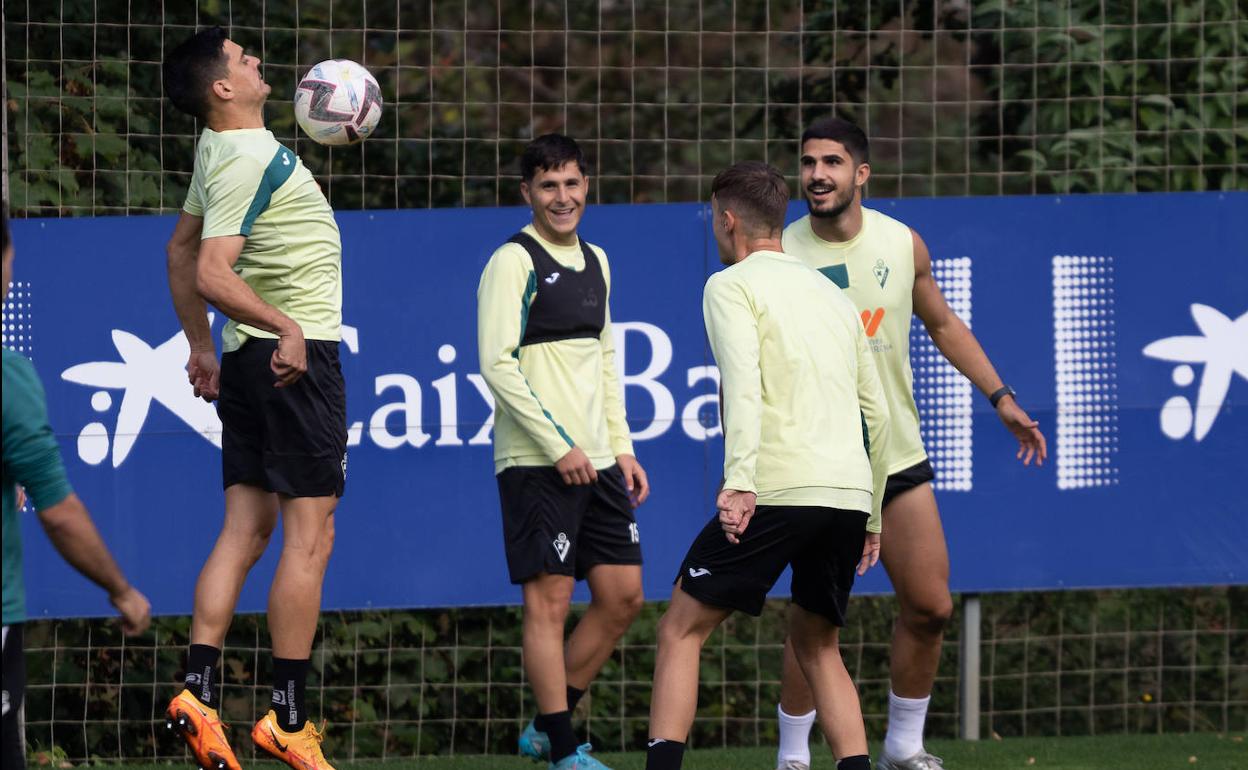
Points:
[[258, 240]]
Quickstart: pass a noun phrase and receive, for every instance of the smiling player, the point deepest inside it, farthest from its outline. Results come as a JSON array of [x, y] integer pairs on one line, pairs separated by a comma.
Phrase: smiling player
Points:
[[567, 477]]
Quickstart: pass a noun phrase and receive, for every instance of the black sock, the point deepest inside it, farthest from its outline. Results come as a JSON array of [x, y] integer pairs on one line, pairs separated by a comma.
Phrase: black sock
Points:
[[664, 755], [574, 697], [558, 727], [289, 681], [857, 762], [201, 673]]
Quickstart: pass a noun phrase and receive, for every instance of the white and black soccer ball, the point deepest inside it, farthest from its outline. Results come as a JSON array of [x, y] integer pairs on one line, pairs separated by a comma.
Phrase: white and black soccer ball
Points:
[[338, 102]]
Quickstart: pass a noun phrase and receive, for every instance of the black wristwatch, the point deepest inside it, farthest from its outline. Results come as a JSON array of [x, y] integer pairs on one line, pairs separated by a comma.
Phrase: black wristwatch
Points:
[[1000, 393]]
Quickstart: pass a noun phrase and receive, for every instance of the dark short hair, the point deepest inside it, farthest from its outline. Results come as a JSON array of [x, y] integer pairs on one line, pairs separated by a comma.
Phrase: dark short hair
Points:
[[843, 131], [755, 192], [550, 151], [190, 69]]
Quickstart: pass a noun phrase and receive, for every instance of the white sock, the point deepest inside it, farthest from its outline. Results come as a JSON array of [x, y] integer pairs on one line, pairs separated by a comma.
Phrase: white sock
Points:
[[794, 736], [906, 716]]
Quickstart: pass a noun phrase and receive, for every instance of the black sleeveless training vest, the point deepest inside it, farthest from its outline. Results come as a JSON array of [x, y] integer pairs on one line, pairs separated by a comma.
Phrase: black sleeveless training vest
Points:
[[569, 304]]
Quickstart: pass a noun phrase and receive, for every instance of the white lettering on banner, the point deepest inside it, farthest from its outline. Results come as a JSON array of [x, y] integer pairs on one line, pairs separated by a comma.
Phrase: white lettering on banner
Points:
[[647, 378], [448, 409], [157, 374], [690, 416], [483, 436], [412, 433]]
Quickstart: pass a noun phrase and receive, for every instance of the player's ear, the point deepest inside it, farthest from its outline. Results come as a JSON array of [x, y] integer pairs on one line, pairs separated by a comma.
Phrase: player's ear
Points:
[[222, 89], [524, 193], [862, 174]]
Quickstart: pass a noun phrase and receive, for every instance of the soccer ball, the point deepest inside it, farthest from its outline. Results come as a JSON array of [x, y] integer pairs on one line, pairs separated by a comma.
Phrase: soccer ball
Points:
[[338, 102]]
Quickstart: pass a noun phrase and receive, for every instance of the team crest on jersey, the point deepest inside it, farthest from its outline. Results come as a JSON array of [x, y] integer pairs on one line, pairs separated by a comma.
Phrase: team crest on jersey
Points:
[[562, 545], [881, 272]]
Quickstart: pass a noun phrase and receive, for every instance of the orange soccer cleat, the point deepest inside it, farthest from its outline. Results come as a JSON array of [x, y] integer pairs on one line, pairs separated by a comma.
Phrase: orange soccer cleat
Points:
[[301, 750], [203, 731]]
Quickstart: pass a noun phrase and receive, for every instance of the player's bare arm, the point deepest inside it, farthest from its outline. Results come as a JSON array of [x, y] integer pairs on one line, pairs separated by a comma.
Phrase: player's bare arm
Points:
[[217, 282], [73, 534], [956, 342], [182, 252]]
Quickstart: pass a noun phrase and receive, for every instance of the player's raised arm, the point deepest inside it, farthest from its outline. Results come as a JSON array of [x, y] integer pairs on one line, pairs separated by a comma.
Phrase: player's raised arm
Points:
[[958, 344]]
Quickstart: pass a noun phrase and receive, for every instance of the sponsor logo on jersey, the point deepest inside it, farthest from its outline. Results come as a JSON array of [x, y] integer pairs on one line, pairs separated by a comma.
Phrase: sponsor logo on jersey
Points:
[[871, 320]]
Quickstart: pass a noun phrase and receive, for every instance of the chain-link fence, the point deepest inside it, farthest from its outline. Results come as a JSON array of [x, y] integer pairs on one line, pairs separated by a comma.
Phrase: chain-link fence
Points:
[[959, 97], [400, 684]]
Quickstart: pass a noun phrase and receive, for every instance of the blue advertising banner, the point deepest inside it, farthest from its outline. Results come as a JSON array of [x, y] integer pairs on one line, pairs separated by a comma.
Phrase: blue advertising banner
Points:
[[1122, 321]]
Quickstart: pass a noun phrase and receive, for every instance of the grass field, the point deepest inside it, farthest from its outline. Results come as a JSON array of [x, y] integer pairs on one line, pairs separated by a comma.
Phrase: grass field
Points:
[[1136, 752]]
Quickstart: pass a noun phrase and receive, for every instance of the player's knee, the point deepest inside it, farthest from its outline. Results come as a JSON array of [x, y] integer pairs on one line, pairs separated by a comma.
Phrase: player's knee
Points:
[[549, 601], [814, 649], [258, 545], [930, 615], [680, 627], [325, 543], [623, 609]]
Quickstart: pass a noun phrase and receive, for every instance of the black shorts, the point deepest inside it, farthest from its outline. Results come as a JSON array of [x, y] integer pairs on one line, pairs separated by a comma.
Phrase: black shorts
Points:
[[563, 529], [904, 481], [290, 440], [824, 545], [13, 741]]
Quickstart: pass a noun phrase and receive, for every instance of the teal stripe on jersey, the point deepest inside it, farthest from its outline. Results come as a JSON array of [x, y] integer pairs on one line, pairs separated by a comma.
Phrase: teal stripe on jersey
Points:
[[838, 274], [275, 175], [530, 291]]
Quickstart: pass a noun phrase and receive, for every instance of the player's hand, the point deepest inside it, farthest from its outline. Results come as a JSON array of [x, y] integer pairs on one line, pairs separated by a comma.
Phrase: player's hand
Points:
[[136, 611], [203, 371], [290, 360], [870, 553], [575, 468], [736, 508], [1031, 444], [19, 500], [634, 478]]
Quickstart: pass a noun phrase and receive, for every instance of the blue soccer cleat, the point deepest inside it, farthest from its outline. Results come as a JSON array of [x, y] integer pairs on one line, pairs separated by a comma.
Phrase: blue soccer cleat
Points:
[[534, 744], [581, 760]]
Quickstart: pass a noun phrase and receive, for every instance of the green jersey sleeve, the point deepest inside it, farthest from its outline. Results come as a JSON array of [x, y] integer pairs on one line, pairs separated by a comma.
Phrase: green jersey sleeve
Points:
[[236, 191], [32, 457]]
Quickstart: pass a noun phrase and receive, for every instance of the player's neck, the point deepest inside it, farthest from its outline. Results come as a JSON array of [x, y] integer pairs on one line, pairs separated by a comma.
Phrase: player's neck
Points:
[[744, 247], [842, 228], [234, 120]]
